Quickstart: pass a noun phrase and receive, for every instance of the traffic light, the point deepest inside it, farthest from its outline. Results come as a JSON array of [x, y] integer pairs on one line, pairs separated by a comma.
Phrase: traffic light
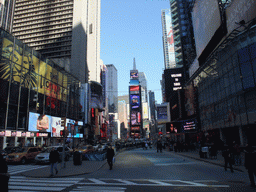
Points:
[[63, 121], [61, 133]]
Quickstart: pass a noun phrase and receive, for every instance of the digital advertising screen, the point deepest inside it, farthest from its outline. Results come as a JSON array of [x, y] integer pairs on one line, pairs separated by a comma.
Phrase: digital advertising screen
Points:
[[134, 74], [137, 128], [134, 82], [206, 20], [189, 125], [135, 101], [56, 126], [135, 118], [39, 122]]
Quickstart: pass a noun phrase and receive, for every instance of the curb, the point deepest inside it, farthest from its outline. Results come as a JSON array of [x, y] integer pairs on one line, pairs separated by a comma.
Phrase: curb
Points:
[[237, 169]]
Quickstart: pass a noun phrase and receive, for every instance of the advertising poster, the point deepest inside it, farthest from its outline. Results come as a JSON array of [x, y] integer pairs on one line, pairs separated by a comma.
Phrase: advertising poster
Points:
[[135, 90], [56, 126], [189, 125], [145, 110], [135, 118], [39, 123], [134, 74], [135, 101]]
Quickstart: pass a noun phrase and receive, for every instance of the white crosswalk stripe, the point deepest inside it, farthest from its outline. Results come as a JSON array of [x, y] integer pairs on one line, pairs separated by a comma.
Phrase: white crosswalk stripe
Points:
[[99, 189], [15, 169], [151, 182], [20, 183]]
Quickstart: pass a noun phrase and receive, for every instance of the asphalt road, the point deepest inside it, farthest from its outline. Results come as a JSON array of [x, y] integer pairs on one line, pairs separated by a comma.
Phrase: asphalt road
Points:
[[146, 170], [141, 170]]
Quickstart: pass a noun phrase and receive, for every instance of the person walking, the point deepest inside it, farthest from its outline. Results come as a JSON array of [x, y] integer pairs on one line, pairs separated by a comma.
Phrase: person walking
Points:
[[228, 157], [54, 158], [237, 154], [110, 155], [159, 146], [250, 159], [4, 175]]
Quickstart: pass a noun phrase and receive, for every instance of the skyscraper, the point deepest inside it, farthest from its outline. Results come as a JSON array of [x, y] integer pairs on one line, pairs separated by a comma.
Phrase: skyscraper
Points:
[[6, 14], [143, 83], [67, 31], [168, 40], [112, 88]]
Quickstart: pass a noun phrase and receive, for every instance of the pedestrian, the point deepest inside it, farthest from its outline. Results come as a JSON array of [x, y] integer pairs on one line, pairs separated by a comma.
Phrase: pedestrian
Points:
[[159, 146], [54, 158], [228, 158], [4, 175], [110, 155], [250, 159], [237, 154]]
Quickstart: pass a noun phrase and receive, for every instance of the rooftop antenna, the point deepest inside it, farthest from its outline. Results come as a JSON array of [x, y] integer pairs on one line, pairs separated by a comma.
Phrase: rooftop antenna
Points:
[[134, 64]]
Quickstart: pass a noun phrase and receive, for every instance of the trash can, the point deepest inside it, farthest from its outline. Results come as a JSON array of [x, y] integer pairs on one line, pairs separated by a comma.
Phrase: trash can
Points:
[[77, 158]]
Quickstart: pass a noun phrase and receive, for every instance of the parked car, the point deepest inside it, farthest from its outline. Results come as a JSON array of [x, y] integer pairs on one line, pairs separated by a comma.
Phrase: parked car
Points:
[[103, 148], [11, 149], [85, 149], [23, 155], [43, 157], [3, 153]]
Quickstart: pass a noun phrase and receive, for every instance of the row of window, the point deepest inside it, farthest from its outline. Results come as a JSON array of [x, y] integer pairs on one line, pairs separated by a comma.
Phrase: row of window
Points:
[[57, 3], [45, 15]]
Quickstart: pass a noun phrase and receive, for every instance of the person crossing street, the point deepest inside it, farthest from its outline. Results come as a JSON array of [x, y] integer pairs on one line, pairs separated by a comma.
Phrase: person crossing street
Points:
[[110, 155], [54, 158]]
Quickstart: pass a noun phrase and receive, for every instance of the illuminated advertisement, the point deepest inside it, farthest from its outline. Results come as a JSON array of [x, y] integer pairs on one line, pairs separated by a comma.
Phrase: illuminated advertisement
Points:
[[56, 126], [134, 74], [145, 110], [44, 78], [163, 113], [189, 125], [137, 128], [135, 118], [134, 82], [135, 90], [135, 101], [206, 20], [39, 122]]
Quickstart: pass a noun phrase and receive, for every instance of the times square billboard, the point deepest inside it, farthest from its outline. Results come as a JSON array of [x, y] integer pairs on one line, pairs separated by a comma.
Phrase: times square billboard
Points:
[[135, 110]]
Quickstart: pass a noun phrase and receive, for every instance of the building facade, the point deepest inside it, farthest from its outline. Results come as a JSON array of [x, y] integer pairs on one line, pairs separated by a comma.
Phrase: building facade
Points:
[[112, 88], [6, 14], [35, 94], [67, 31]]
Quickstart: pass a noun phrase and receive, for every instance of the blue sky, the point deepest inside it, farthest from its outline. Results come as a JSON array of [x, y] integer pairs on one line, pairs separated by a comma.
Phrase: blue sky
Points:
[[132, 28]]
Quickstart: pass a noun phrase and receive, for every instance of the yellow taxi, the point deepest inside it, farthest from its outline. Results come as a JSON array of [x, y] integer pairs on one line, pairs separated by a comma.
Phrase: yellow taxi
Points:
[[23, 155]]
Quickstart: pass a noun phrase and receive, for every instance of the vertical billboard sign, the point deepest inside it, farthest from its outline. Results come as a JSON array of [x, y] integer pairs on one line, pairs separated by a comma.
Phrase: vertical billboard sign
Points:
[[135, 109]]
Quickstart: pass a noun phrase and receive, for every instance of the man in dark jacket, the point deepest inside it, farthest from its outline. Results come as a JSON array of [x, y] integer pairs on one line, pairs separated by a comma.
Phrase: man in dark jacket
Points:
[[250, 159], [159, 146], [228, 157], [4, 175], [54, 158], [110, 155]]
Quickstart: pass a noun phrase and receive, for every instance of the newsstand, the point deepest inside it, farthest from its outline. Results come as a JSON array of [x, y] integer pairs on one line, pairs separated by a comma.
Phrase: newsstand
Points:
[[77, 158]]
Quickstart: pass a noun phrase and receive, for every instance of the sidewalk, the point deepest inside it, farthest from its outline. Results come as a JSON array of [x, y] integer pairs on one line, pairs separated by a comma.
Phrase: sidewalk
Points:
[[69, 170], [219, 161]]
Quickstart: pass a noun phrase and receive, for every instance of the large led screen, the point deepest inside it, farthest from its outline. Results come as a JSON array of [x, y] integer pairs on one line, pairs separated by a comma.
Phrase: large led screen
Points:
[[137, 128], [135, 101], [135, 118], [39, 122], [134, 74], [240, 10], [56, 126], [206, 20]]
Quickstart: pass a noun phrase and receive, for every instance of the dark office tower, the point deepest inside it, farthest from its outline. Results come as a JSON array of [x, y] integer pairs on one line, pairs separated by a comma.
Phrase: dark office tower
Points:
[[6, 14], [183, 32]]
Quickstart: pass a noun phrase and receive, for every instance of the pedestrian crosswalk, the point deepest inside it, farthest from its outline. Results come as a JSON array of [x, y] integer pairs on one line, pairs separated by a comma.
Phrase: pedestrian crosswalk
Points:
[[20, 183], [151, 182], [98, 189], [15, 169]]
